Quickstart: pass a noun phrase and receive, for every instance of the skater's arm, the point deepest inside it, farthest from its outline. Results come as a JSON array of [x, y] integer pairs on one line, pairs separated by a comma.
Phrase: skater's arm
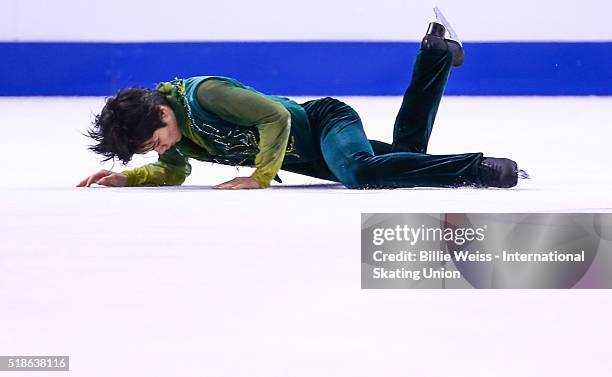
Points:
[[247, 108], [171, 169]]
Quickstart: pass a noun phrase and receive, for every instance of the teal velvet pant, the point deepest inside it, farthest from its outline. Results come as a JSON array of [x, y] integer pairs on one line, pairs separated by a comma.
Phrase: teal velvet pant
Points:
[[350, 158]]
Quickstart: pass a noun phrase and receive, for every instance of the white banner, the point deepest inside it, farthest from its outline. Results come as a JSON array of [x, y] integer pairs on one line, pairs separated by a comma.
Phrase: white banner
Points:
[[388, 20]]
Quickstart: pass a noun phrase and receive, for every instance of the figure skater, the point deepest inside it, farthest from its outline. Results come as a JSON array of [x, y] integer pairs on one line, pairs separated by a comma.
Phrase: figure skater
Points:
[[218, 119]]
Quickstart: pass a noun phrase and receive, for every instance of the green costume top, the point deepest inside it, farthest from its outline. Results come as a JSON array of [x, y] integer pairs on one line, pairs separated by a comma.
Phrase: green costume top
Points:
[[226, 122]]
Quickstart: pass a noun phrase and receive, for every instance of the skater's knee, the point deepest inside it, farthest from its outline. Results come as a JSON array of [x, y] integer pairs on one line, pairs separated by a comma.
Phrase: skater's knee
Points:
[[358, 177]]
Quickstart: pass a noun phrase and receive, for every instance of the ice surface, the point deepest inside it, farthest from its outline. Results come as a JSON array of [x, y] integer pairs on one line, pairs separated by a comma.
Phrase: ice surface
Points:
[[189, 281]]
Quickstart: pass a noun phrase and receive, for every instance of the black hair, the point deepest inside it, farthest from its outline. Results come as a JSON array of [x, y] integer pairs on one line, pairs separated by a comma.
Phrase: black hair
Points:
[[126, 122]]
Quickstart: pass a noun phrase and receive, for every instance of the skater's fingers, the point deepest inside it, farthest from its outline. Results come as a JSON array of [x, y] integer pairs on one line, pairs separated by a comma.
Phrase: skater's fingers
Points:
[[96, 177], [226, 185], [90, 180], [93, 178], [245, 184], [82, 183], [238, 183], [222, 186]]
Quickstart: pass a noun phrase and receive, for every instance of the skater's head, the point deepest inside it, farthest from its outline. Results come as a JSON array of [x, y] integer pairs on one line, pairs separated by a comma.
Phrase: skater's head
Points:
[[134, 121]]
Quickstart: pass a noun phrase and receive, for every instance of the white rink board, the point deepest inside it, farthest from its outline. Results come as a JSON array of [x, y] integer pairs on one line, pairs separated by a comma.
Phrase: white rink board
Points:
[[273, 20]]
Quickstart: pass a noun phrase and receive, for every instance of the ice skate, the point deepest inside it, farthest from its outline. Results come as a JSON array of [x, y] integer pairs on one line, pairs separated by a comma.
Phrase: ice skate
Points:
[[498, 172], [441, 36]]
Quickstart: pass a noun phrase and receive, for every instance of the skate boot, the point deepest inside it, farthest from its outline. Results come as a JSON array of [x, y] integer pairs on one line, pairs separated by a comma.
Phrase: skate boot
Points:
[[498, 172], [436, 38]]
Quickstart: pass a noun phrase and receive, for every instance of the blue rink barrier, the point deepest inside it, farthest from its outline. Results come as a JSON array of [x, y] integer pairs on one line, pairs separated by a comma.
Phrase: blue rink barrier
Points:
[[302, 68]]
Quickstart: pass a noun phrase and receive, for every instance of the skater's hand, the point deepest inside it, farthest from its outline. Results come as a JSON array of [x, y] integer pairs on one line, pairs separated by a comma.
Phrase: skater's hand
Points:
[[238, 183], [105, 178]]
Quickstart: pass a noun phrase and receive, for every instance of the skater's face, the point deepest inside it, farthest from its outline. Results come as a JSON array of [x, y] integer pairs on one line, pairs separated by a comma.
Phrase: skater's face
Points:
[[165, 137]]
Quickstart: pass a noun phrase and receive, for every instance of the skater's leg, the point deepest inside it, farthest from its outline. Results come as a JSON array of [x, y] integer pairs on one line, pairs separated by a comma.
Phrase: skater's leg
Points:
[[417, 114], [350, 157], [419, 106], [380, 147]]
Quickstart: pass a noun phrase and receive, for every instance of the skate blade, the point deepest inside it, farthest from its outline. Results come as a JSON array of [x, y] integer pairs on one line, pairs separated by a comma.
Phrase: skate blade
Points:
[[452, 34], [522, 174]]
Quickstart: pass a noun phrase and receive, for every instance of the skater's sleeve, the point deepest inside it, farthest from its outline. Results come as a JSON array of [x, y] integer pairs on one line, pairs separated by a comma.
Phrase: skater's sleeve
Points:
[[248, 108], [171, 169]]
